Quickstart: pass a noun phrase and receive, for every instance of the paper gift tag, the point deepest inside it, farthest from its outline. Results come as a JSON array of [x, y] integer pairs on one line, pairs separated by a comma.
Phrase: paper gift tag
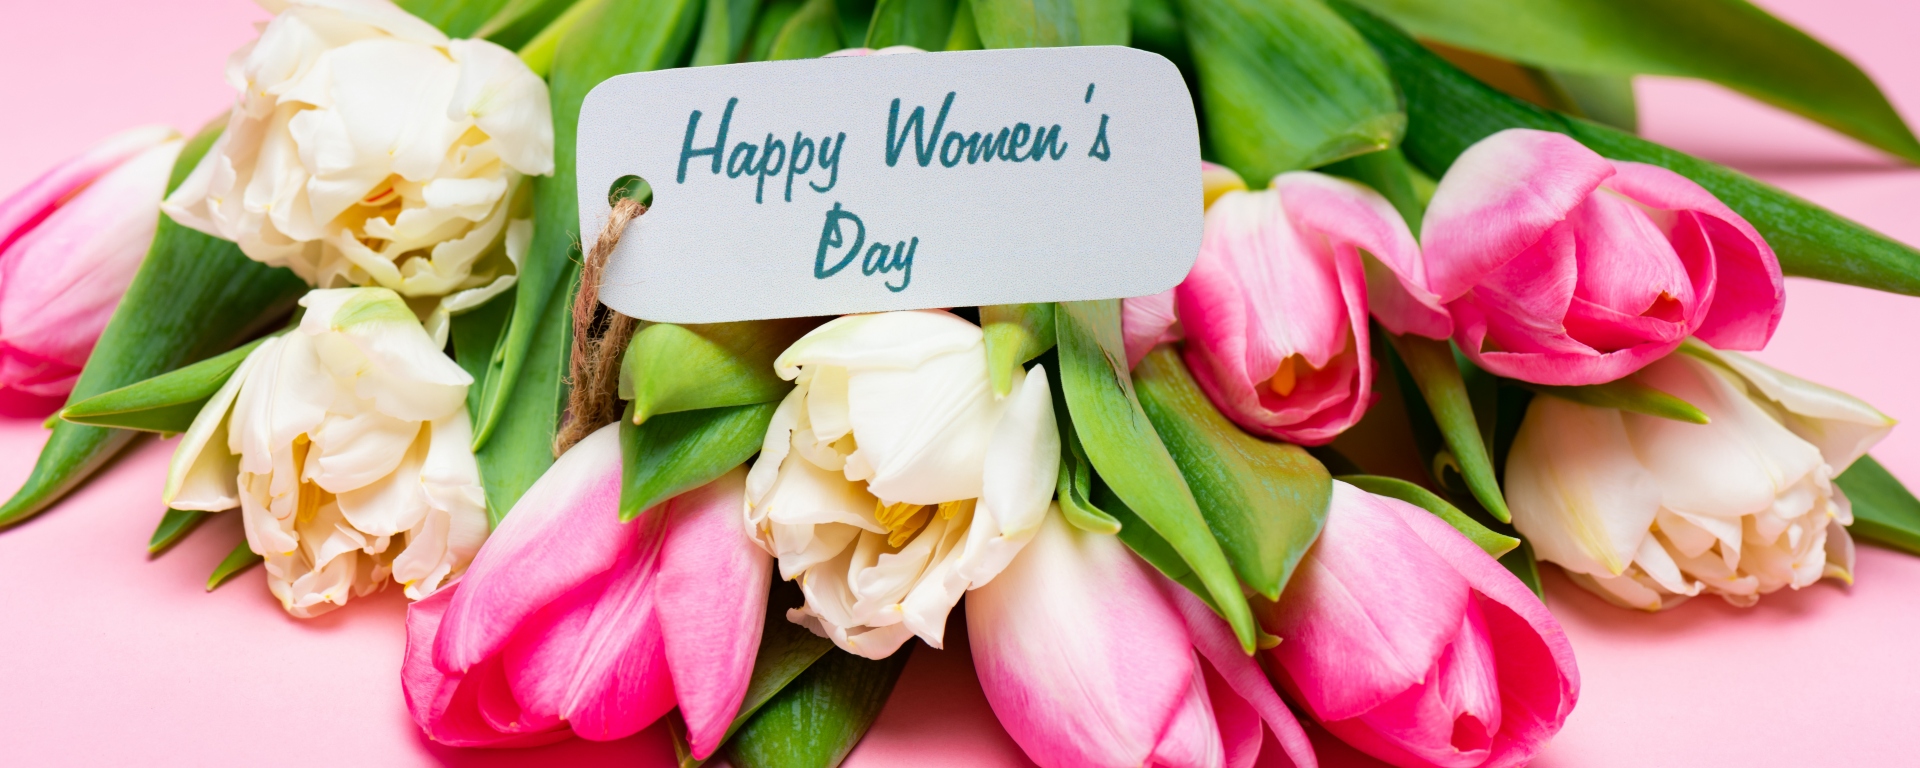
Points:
[[860, 184]]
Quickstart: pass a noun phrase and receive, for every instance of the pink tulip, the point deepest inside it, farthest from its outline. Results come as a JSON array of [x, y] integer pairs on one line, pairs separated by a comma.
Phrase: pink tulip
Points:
[[571, 621], [70, 242], [1409, 643], [1091, 658], [1275, 309], [1562, 267]]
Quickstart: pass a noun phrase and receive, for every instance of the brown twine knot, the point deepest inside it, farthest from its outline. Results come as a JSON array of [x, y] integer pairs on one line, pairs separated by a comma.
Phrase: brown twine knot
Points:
[[600, 335]]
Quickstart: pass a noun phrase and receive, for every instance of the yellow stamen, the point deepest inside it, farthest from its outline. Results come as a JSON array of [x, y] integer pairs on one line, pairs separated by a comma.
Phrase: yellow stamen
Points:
[[902, 520], [1283, 380]]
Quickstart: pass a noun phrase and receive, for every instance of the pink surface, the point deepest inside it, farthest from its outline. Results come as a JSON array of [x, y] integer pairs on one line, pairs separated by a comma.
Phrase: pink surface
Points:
[[109, 658]]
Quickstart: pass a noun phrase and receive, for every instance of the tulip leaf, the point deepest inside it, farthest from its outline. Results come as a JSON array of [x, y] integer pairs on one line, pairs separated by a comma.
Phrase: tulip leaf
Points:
[[524, 391], [814, 31], [767, 26], [816, 720], [194, 297], [476, 341], [678, 452], [1074, 489], [923, 24], [1430, 362], [457, 18], [723, 31], [1628, 394], [1265, 502], [1128, 454], [1884, 511], [1449, 110], [1287, 85], [670, 368], [1493, 544], [166, 403], [1140, 537], [1730, 42], [518, 21], [1050, 23], [1015, 333], [965, 35], [174, 526], [240, 559]]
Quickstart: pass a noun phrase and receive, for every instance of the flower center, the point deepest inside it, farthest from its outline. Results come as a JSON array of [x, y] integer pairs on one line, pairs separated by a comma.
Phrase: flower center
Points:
[[902, 519], [1287, 377]]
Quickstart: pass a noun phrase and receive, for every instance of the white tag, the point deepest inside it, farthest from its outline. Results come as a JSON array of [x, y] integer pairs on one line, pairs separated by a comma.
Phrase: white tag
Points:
[[909, 181]]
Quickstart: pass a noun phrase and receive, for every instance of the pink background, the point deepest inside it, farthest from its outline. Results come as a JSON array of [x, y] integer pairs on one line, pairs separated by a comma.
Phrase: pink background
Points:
[[109, 658]]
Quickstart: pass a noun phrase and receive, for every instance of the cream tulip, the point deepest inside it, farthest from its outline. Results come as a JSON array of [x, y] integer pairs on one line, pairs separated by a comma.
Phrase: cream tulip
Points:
[[1646, 511], [366, 148], [892, 479], [344, 443]]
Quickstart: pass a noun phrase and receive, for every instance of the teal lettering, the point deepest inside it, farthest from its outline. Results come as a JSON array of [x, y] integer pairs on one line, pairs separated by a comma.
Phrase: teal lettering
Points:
[[867, 262], [1045, 144], [830, 161], [993, 146], [831, 237], [903, 261], [961, 148], [799, 143], [687, 152], [923, 149], [767, 166], [735, 166], [1100, 148]]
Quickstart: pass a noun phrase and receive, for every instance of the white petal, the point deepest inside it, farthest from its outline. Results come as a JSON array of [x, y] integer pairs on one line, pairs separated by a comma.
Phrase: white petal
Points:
[[196, 477], [1842, 426], [897, 340], [1736, 465], [507, 100], [1577, 491]]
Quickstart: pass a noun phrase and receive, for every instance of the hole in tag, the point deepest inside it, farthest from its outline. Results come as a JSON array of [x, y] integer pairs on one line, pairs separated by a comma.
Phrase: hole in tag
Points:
[[630, 187]]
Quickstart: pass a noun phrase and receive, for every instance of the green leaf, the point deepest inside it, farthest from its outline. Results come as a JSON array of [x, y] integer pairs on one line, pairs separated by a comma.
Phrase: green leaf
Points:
[[524, 392], [476, 341], [1015, 333], [1395, 488], [166, 403], [1628, 394], [174, 526], [1449, 111], [457, 18], [678, 452], [818, 718], [194, 297], [965, 35], [670, 368], [1140, 537], [240, 559], [1050, 23], [1265, 502], [1074, 489], [923, 24], [1130, 457], [1521, 563], [1287, 85], [1884, 511], [856, 16], [1604, 99], [723, 34], [767, 27], [518, 21], [814, 31], [1388, 173], [1434, 372], [1730, 42]]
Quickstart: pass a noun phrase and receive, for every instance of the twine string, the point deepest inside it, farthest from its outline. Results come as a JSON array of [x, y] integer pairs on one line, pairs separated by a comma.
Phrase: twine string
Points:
[[600, 336]]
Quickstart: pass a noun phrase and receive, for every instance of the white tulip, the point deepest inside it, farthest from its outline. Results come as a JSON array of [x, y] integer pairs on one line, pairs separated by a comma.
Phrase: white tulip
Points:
[[366, 148], [1646, 511], [892, 479], [344, 443]]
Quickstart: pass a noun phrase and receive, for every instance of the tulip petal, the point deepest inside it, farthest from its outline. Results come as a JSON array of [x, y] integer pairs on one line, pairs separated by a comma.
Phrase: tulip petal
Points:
[[565, 530], [1737, 465], [1022, 468], [21, 211], [923, 430], [711, 593], [1147, 322], [1245, 681], [1576, 490], [1192, 736], [1498, 198], [447, 707], [1079, 651], [1527, 643], [206, 480], [1353, 216], [507, 100], [1842, 426], [901, 340]]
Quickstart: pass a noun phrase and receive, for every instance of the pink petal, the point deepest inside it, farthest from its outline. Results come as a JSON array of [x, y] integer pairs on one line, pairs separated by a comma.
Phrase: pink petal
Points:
[[1539, 681], [448, 708], [1750, 295], [1192, 736], [1627, 264], [1498, 199], [1147, 322], [1081, 655], [1451, 719], [564, 531], [25, 208], [711, 593], [1240, 731], [1368, 612], [1242, 675], [1352, 216]]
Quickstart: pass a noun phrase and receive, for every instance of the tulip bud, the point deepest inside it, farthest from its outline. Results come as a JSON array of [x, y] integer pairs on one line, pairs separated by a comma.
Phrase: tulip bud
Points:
[[344, 443], [70, 243], [1647, 511]]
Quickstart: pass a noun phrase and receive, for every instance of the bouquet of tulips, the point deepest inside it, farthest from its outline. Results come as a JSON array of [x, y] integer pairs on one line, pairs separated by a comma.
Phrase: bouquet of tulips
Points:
[[359, 300]]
